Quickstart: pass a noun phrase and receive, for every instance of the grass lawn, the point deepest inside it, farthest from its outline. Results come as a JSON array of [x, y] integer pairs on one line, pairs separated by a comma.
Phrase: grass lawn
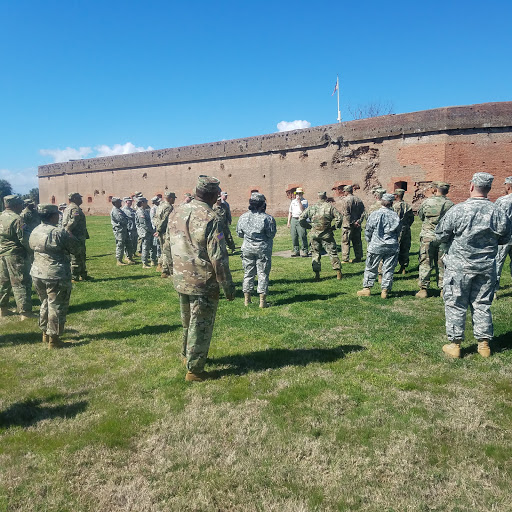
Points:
[[323, 402]]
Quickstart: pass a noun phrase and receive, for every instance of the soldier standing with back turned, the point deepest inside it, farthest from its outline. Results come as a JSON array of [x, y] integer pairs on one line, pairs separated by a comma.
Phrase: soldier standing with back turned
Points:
[[119, 222], [161, 220], [352, 209], [406, 216], [505, 203]]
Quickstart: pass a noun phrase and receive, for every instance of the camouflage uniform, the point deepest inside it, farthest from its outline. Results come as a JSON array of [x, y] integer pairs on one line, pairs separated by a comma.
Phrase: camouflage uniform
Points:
[[322, 214], [156, 239], [119, 222], [381, 233], [406, 216], [224, 226], [145, 231], [200, 263], [30, 218], [473, 230], [352, 209], [160, 220], [431, 212], [131, 241], [51, 274], [14, 261], [505, 203], [258, 230], [74, 221]]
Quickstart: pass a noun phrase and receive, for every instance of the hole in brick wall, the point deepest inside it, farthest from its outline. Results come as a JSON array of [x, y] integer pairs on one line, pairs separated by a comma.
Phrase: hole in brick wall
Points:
[[102, 192], [282, 155], [145, 175], [110, 199], [96, 192], [190, 168], [323, 164], [221, 167], [400, 184], [89, 199], [265, 176], [229, 175], [53, 199], [303, 155]]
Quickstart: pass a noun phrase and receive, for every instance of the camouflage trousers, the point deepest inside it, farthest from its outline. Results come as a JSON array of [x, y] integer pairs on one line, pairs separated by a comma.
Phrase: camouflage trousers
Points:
[[430, 259], [166, 255], [15, 277], [256, 264], [503, 251], [78, 268], [371, 269], [299, 237], [130, 247], [229, 239], [148, 250], [404, 241], [54, 296], [197, 318], [158, 248], [351, 234], [463, 290], [329, 244], [121, 242]]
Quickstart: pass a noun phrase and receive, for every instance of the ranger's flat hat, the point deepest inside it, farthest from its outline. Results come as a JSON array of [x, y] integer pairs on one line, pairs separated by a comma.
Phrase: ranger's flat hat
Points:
[[388, 197], [12, 200], [482, 179], [207, 183], [299, 190], [48, 208]]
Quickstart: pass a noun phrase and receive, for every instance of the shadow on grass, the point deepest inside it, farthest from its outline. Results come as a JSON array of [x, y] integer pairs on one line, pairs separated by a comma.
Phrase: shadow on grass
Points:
[[101, 255], [307, 297], [147, 329], [96, 304], [241, 364], [21, 338], [29, 412], [122, 278]]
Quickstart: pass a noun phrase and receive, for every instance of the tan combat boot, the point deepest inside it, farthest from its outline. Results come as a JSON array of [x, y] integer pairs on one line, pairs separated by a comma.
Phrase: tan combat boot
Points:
[[452, 349], [164, 275], [121, 264], [25, 315], [145, 266], [422, 294], [495, 296], [159, 268], [196, 377], [365, 292], [4, 312], [263, 301], [384, 294], [483, 348], [317, 275], [339, 275], [46, 338], [55, 342], [247, 298]]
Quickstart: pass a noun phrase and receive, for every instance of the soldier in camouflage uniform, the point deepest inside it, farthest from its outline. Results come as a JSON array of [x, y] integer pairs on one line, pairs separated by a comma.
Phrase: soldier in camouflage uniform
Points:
[[381, 232], [258, 230], [378, 193], [222, 213], [406, 216], [145, 231], [201, 264], [473, 229], [156, 240], [431, 212], [119, 222], [51, 272], [14, 259], [30, 216], [505, 203], [62, 207], [322, 214], [131, 241], [352, 209], [73, 220], [160, 220]]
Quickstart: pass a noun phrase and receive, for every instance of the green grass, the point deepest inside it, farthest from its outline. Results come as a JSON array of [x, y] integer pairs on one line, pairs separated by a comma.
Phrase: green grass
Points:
[[325, 401]]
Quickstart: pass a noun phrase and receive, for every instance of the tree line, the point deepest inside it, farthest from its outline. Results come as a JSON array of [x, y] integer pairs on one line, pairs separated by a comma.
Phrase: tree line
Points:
[[6, 190]]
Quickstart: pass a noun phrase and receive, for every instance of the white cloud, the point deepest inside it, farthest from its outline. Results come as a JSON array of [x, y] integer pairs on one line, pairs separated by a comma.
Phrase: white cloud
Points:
[[286, 126], [63, 155], [22, 181], [120, 149]]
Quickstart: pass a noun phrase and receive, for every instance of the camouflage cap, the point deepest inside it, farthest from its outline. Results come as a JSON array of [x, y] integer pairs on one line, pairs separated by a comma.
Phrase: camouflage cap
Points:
[[257, 196], [115, 199], [322, 194], [62, 205], [443, 184], [388, 197], [12, 200], [188, 194], [399, 191], [380, 192], [127, 198], [155, 199], [348, 188], [434, 184], [223, 193], [74, 194], [508, 180], [141, 199], [207, 183], [28, 201], [47, 208], [482, 179], [169, 194], [138, 194]]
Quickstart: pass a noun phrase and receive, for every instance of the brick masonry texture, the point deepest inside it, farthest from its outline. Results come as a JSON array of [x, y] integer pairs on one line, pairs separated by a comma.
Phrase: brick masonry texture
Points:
[[407, 150]]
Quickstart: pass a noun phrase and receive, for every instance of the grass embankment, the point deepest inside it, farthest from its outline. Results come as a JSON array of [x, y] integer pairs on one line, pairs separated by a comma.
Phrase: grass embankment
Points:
[[325, 401]]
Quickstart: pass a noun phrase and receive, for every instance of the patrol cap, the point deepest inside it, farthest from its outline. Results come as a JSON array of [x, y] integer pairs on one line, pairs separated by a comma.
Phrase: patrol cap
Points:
[[223, 193], [155, 199], [138, 194], [73, 195], [322, 194], [508, 180], [169, 194], [141, 199], [443, 184], [434, 184], [28, 201], [388, 197], [114, 199], [257, 196], [127, 199], [48, 209], [299, 190], [348, 188], [188, 194], [482, 179], [62, 205], [399, 191], [12, 200], [207, 183]]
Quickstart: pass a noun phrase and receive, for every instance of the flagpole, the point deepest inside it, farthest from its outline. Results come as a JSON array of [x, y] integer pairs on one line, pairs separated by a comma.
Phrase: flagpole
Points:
[[338, 87]]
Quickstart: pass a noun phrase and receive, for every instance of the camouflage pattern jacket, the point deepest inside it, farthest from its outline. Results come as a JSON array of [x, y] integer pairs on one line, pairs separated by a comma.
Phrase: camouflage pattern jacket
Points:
[[382, 230], [143, 222], [374, 207], [322, 214], [258, 230], [130, 214], [74, 221], [13, 235], [474, 229], [119, 222], [505, 203], [431, 212], [404, 212], [162, 216], [199, 252], [30, 218], [352, 209], [52, 246]]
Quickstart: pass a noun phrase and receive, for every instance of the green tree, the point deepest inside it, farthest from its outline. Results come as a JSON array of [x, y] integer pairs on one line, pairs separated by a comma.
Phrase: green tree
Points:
[[33, 194], [5, 190]]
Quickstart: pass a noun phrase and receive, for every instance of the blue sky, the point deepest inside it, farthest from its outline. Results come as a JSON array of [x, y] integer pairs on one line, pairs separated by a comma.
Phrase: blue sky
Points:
[[116, 76]]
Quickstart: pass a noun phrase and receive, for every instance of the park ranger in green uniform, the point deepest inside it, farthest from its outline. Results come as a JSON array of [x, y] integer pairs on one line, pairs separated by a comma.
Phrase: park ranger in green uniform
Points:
[[14, 259], [51, 272]]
